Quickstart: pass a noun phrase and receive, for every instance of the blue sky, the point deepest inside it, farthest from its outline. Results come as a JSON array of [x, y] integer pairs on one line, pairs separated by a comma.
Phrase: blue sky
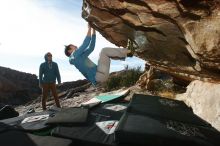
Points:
[[30, 28]]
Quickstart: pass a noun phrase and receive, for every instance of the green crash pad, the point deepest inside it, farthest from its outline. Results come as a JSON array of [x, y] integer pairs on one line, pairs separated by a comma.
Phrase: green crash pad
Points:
[[106, 97], [112, 96]]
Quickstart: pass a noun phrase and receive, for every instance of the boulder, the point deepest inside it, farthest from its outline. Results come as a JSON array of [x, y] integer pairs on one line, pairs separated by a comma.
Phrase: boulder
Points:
[[181, 37], [204, 99]]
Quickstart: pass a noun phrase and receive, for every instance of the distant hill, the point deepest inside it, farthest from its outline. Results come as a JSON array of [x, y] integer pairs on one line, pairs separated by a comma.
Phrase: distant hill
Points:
[[17, 87]]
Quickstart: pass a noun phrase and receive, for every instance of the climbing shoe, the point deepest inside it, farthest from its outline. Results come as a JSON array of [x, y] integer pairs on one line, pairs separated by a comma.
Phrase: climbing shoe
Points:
[[131, 46]]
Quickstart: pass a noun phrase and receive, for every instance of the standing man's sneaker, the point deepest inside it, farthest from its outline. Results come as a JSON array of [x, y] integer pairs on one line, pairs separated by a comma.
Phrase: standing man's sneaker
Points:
[[131, 46]]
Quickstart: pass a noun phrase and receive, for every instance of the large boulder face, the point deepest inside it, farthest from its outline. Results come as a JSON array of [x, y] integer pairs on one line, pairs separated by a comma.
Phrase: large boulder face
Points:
[[181, 37]]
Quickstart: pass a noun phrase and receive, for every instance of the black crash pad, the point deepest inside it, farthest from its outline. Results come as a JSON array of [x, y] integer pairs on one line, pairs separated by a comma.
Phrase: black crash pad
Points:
[[143, 130], [18, 138], [70, 116], [7, 111], [158, 107], [90, 133], [16, 122]]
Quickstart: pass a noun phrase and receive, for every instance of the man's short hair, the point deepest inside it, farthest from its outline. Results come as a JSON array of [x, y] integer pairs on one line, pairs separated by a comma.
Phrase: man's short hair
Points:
[[67, 48]]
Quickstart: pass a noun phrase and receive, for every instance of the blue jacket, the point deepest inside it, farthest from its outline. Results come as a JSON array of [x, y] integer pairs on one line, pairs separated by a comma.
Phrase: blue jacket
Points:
[[48, 73], [80, 60]]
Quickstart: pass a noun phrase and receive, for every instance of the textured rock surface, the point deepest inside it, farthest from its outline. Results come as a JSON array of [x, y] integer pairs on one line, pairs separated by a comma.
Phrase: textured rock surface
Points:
[[181, 37], [17, 87], [205, 103]]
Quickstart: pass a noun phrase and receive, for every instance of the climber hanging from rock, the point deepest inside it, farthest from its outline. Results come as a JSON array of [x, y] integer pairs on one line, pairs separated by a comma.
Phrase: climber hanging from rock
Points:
[[78, 56]]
